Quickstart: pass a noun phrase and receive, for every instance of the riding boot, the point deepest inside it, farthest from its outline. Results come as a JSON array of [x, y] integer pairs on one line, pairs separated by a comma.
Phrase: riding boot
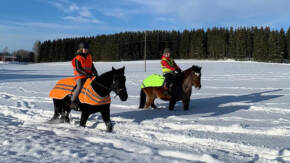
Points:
[[166, 89]]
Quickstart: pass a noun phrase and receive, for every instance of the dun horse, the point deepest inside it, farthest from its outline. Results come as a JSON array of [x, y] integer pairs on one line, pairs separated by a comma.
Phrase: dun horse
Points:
[[181, 89], [94, 97]]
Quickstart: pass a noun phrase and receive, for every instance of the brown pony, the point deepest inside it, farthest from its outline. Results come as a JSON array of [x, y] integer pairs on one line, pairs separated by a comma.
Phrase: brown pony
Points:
[[181, 89]]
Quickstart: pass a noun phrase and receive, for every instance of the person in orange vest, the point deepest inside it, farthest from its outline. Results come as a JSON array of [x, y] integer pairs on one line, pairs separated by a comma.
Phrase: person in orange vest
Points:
[[169, 67], [83, 69]]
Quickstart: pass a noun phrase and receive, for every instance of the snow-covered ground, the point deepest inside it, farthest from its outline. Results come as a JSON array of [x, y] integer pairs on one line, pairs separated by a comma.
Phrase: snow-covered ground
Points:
[[241, 114]]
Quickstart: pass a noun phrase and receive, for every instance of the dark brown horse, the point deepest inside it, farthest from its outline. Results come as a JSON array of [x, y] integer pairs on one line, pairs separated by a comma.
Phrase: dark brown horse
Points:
[[181, 89]]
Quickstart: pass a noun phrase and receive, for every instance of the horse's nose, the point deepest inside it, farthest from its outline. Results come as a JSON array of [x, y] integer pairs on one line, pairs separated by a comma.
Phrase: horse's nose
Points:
[[124, 97]]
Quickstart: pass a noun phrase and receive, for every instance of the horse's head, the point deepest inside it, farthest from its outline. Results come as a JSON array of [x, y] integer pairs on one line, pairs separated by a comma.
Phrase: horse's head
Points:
[[119, 83], [196, 76], [192, 76]]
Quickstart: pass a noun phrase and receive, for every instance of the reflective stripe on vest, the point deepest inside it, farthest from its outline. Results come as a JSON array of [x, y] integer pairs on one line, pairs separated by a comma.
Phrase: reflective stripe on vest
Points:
[[62, 88], [169, 62], [89, 96]]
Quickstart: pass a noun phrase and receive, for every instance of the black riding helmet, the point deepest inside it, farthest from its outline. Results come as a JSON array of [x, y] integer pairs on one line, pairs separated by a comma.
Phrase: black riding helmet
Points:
[[84, 45]]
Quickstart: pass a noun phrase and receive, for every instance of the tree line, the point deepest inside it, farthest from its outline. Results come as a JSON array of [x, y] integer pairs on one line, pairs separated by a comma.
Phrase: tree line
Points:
[[243, 43]]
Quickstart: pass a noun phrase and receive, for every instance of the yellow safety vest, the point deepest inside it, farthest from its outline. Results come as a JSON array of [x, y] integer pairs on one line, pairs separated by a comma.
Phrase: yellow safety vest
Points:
[[170, 62]]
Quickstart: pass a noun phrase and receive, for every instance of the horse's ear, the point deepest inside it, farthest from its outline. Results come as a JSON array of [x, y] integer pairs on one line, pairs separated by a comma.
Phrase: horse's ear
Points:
[[123, 69], [113, 69]]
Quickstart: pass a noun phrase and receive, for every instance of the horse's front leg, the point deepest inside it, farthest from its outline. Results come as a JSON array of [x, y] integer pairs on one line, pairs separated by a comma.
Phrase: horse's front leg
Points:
[[57, 112], [106, 117], [57, 109], [84, 118], [185, 104], [149, 101], [65, 112], [172, 103]]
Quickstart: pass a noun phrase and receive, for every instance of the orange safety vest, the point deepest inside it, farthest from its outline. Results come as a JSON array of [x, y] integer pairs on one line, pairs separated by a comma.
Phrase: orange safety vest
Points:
[[86, 64], [65, 87]]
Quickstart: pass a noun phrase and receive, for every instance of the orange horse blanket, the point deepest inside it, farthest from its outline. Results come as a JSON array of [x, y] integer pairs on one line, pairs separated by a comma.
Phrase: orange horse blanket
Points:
[[88, 95]]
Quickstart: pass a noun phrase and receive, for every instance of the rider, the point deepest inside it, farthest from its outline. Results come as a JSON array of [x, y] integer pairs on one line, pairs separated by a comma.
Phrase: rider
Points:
[[168, 68], [83, 69]]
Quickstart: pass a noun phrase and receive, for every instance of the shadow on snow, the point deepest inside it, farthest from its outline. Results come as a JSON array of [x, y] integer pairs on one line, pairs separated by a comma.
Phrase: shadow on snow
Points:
[[13, 75], [212, 106]]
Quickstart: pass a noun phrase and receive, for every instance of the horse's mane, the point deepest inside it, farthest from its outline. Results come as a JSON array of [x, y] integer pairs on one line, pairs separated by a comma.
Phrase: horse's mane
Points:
[[105, 74], [196, 68], [102, 84], [193, 68]]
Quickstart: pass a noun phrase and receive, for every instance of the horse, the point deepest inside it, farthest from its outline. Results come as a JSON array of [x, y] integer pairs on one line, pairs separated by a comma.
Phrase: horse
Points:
[[102, 86], [181, 89]]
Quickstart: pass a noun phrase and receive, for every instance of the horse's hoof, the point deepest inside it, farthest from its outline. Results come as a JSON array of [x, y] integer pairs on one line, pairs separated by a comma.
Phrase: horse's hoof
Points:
[[55, 121], [76, 109], [66, 120], [109, 126]]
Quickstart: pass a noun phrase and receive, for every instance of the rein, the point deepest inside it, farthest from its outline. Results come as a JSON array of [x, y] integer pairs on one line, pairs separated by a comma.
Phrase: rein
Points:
[[111, 88]]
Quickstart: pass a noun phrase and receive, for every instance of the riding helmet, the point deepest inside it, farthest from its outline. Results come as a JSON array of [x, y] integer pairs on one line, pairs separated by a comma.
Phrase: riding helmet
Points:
[[84, 45]]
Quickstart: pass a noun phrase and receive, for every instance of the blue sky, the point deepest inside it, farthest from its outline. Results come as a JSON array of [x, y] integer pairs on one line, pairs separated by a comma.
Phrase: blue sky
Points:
[[22, 22]]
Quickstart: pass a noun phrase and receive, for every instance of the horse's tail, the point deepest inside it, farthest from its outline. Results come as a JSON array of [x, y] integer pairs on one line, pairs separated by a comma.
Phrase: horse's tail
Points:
[[142, 99]]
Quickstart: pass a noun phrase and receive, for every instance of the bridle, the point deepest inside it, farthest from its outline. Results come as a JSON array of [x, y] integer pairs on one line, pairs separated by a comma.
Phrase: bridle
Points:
[[196, 75], [114, 85]]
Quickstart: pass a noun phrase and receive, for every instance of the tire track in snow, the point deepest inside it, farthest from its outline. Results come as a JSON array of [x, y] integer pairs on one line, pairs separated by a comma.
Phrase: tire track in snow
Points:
[[132, 145], [101, 138], [270, 110], [245, 88], [24, 107], [206, 144], [151, 132], [12, 97], [232, 129], [188, 156], [233, 119]]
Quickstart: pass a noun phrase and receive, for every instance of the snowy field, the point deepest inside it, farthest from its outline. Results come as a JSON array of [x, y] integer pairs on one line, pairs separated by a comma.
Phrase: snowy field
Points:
[[241, 114]]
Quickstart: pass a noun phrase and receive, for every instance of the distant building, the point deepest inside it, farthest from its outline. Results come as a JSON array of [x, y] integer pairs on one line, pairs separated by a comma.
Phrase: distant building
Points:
[[5, 57]]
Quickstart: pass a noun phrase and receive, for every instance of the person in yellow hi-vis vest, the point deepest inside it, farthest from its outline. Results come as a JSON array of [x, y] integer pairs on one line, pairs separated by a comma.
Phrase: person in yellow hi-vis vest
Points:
[[168, 68], [83, 68]]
